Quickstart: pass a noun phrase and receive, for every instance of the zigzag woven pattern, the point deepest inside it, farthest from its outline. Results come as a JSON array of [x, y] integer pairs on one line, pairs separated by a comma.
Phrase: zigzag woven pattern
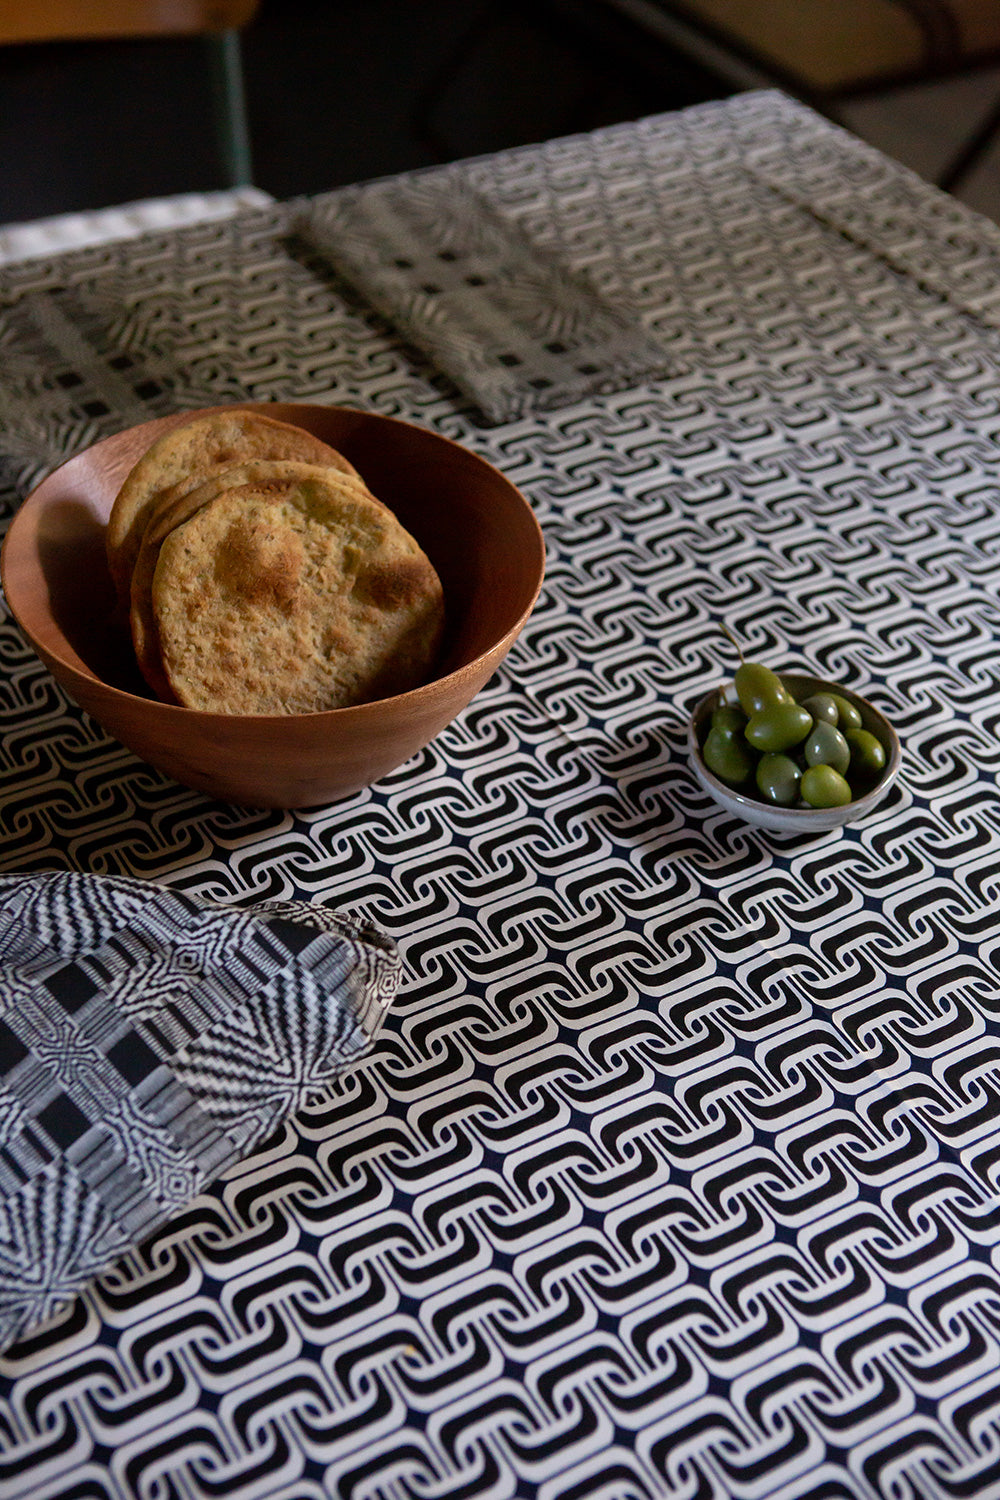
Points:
[[675, 1171]]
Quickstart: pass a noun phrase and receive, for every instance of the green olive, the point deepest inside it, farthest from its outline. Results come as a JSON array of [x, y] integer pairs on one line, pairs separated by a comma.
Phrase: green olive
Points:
[[779, 726], [730, 718], [822, 786], [867, 753], [826, 746], [788, 753], [847, 715], [822, 707], [758, 687], [778, 779], [727, 755]]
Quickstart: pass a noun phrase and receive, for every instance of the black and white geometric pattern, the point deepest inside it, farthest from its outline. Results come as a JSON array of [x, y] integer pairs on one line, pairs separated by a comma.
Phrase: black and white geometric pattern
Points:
[[148, 1040], [675, 1170]]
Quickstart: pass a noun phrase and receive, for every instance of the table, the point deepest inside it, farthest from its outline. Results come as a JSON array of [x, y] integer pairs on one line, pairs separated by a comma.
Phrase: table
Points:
[[675, 1169]]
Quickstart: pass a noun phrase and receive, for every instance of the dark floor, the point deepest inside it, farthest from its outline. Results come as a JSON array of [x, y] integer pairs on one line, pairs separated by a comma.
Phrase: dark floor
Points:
[[337, 91]]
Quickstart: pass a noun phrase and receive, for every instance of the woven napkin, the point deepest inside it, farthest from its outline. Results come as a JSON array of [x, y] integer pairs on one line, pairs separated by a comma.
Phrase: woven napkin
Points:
[[511, 327], [149, 1039]]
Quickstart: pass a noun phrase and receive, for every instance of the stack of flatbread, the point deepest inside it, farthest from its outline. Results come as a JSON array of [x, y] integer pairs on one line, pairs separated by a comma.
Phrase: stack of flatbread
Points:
[[261, 576]]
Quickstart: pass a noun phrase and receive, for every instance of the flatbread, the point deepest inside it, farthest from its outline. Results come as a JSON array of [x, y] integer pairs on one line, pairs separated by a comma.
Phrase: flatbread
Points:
[[186, 454], [293, 596], [168, 509]]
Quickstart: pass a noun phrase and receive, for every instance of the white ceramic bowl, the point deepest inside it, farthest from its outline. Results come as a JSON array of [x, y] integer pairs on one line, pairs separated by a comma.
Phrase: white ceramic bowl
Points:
[[795, 819]]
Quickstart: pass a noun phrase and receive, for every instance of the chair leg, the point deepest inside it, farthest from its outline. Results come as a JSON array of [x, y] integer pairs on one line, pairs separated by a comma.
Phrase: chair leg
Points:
[[972, 153], [478, 25], [229, 104]]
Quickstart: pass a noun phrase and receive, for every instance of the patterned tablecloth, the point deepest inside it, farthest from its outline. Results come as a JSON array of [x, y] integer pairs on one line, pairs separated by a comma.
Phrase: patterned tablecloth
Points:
[[675, 1170]]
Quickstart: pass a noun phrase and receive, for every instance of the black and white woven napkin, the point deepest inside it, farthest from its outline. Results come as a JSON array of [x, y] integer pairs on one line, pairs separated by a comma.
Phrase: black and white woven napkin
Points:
[[149, 1039], [512, 328]]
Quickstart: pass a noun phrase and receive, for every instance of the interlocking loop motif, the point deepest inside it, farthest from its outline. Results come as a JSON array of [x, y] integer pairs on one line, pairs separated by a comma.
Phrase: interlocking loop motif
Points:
[[675, 1171]]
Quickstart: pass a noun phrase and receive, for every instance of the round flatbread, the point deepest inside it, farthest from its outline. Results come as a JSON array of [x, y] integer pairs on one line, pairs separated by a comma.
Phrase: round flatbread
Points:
[[188, 453], [294, 596], [169, 508]]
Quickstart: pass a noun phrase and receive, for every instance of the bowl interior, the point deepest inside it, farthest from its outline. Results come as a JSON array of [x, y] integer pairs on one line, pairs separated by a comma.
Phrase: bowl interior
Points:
[[475, 526]]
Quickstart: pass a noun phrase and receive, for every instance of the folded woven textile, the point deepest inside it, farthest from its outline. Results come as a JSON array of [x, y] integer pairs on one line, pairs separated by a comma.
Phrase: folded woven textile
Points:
[[149, 1039], [513, 329]]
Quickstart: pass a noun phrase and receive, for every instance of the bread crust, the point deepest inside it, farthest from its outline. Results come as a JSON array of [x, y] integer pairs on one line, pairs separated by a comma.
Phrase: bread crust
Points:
[[186, 454], [293, 593], [170, 509]]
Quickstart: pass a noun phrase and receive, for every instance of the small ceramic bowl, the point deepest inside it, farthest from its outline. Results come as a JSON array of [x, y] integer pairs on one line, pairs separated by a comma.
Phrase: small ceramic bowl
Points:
[[795, 819], [476, 527]]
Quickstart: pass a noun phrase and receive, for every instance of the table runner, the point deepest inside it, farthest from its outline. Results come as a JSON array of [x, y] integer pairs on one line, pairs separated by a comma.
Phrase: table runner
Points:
[[674, 1171]]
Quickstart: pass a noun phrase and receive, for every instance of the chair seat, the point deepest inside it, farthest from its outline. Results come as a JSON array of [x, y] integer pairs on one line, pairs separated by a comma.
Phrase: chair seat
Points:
[[838, 46]]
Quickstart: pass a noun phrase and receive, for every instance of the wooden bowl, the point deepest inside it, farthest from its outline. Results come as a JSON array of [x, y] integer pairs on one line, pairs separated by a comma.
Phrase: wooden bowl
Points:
[[475, 526]]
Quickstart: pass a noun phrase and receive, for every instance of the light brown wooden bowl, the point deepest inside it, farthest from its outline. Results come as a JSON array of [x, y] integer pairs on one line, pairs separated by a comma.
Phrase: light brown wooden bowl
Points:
[[476, 527]]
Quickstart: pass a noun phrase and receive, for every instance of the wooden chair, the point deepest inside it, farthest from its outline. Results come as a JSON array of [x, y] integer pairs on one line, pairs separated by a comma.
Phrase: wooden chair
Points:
[[829, 52], [218, 21]]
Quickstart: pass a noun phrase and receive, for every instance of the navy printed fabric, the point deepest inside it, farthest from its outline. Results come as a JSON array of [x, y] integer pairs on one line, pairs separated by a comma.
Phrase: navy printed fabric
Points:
[[148, 1040]]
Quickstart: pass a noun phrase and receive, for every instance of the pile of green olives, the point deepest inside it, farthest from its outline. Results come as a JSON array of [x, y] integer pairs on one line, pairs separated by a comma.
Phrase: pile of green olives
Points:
[[813, 753]]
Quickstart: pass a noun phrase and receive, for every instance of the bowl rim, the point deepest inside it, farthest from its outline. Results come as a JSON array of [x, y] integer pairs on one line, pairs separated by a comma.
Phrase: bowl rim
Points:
[[74, 669], [796, 819]]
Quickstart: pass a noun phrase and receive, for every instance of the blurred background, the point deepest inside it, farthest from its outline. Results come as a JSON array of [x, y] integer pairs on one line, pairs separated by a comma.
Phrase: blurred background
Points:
[[339, 91]]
